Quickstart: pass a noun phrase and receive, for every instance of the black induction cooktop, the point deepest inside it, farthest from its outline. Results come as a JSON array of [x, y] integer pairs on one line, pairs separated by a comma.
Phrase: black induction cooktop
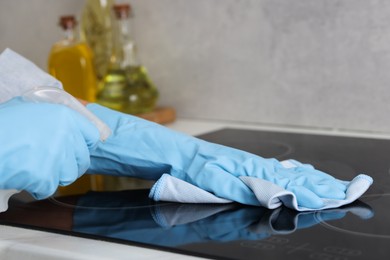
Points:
[[232, 231]]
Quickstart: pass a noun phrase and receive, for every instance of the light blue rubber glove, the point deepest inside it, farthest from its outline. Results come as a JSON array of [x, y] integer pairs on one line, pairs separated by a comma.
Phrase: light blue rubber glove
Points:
[[143, 149], [42, 146]]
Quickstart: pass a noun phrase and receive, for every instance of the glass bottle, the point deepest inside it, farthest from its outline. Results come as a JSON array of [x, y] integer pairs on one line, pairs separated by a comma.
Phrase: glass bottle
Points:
[[71, 62], [96, 31], [126, 85]]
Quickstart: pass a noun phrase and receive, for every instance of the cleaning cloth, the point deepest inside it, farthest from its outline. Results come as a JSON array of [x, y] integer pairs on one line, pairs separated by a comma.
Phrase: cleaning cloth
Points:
[[18, 74], [270, 195]]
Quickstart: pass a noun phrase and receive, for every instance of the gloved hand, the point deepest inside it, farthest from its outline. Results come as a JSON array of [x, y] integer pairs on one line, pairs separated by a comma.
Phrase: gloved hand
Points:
[[143, 149], [43, 146]]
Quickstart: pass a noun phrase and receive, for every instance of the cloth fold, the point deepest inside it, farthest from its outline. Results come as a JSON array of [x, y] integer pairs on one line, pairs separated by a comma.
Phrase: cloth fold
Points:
[[4, 197], [169, 188]]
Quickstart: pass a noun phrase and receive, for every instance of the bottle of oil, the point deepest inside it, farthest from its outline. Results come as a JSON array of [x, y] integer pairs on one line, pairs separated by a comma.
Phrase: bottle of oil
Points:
[[96, 31], [126, 85], [71, 62]]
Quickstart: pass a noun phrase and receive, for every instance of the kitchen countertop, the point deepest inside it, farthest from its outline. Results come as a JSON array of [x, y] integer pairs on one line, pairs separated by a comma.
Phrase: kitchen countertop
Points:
[[18, 243]]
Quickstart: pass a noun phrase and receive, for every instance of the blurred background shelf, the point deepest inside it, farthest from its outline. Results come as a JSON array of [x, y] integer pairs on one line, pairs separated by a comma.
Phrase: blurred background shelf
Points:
[[161, 115]]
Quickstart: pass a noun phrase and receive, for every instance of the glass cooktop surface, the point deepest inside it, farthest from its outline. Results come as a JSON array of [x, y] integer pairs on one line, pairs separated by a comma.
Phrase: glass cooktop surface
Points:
[[231, 231]]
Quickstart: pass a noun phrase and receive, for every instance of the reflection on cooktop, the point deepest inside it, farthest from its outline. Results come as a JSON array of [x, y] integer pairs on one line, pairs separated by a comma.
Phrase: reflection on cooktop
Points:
[[377, 227], [130, 217]]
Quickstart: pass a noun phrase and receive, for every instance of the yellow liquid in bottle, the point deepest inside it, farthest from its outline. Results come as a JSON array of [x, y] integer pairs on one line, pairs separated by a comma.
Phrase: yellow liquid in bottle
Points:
[[113, 89], [72, 64], [96, 31], [128, 90]]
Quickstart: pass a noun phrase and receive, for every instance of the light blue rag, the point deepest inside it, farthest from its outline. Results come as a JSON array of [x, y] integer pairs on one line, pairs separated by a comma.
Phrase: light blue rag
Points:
[[270, 195]]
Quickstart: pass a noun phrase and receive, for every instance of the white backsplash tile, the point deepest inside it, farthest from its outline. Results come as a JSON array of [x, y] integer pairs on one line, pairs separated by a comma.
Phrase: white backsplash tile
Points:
[[311, 63]]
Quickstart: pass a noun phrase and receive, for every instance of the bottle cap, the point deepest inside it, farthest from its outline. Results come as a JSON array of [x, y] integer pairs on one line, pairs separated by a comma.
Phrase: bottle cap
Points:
[[67, 21], [122, 11]]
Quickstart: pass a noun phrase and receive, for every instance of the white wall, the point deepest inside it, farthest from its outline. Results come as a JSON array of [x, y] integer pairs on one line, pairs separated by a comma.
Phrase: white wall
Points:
[[312, 63], [30, 27]]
